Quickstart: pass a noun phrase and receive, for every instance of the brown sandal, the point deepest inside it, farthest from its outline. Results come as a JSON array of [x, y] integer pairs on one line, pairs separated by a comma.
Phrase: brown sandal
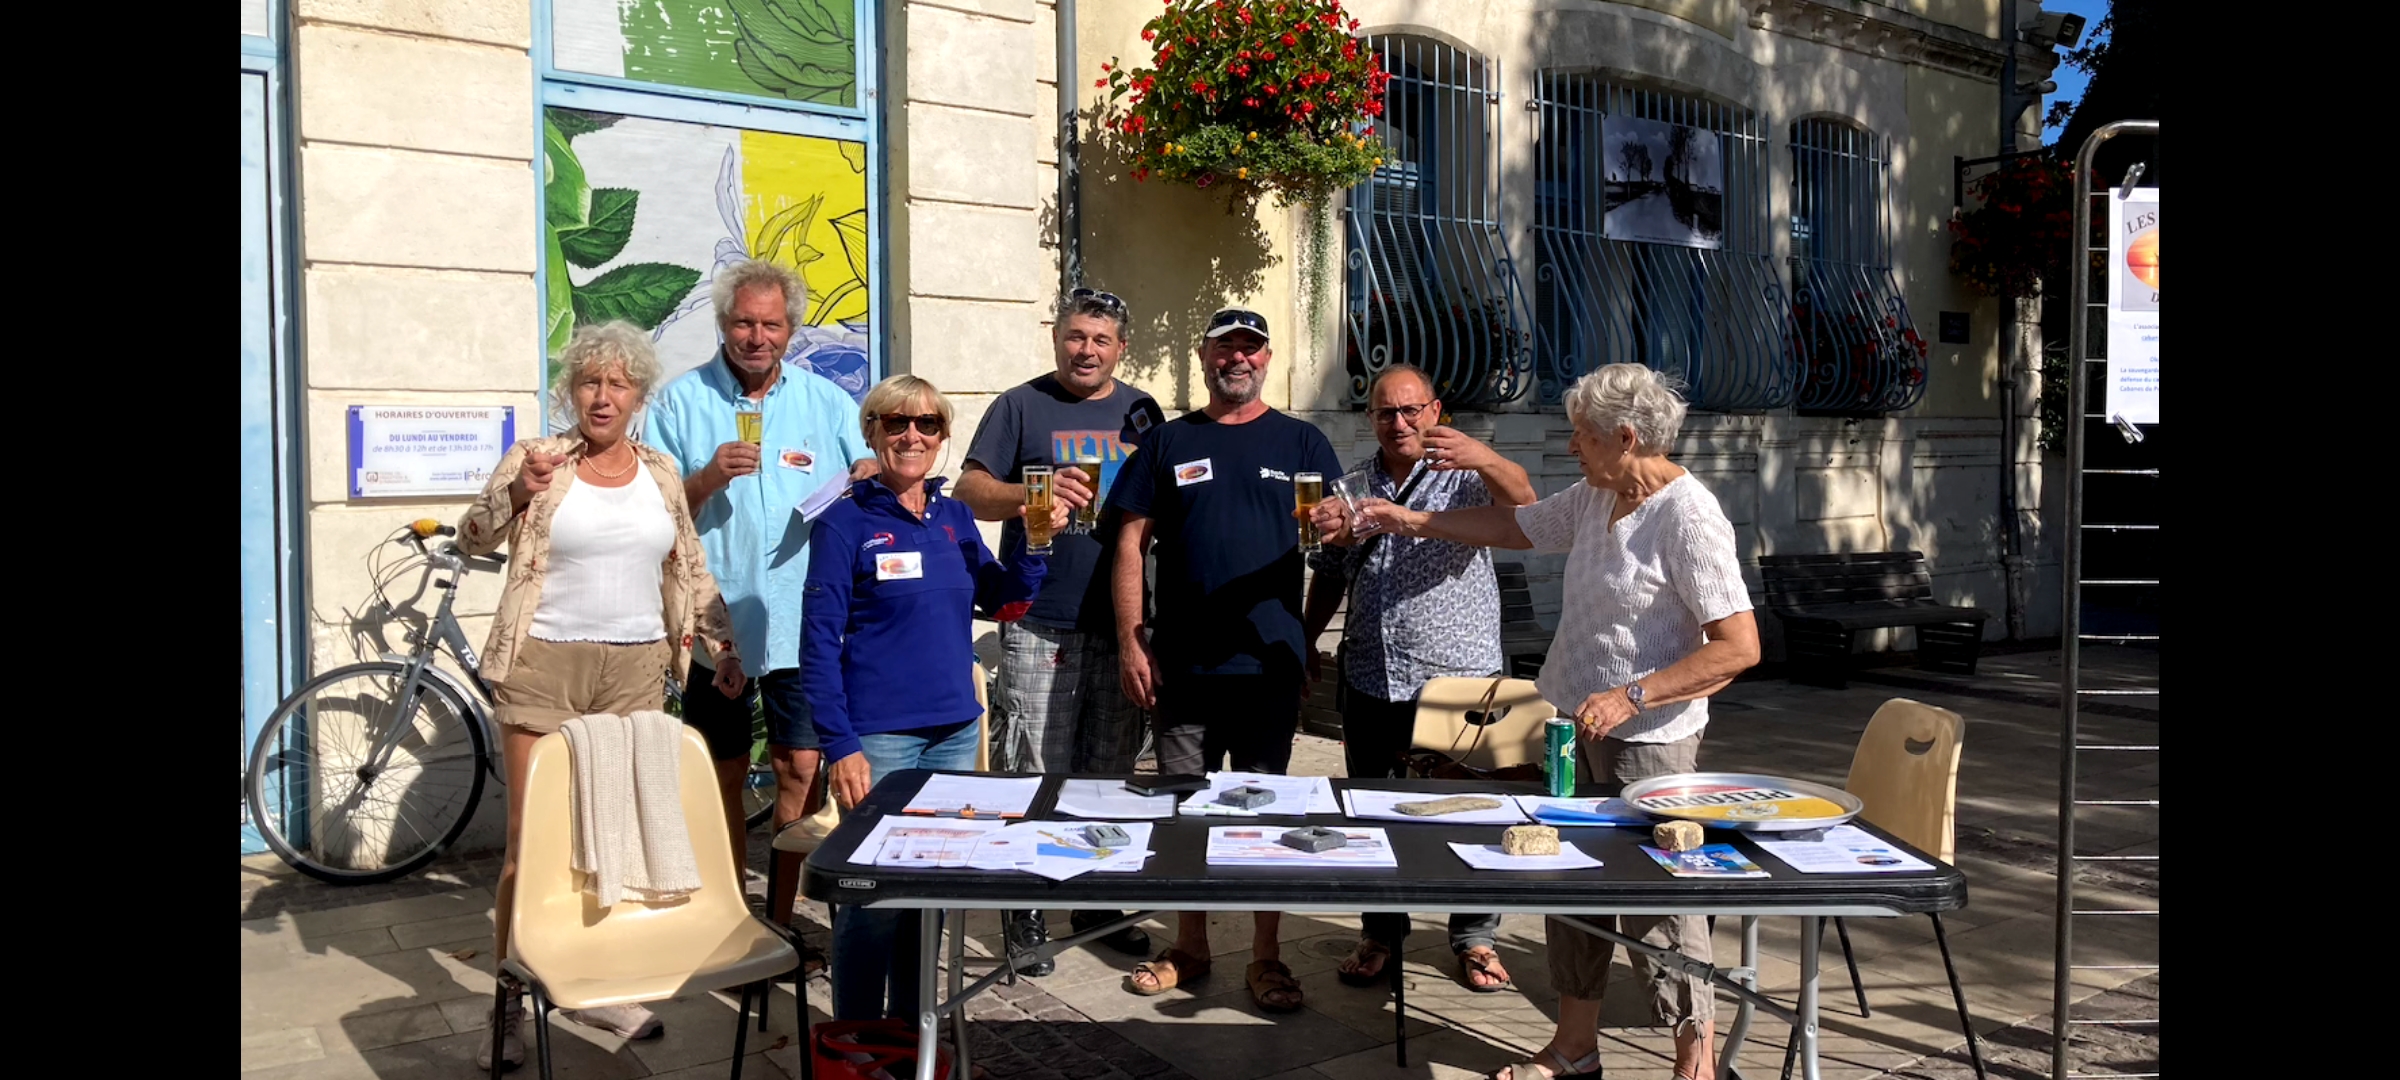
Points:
[[1270, 977], [1169, 969], [1369, 952], [1485, 961]]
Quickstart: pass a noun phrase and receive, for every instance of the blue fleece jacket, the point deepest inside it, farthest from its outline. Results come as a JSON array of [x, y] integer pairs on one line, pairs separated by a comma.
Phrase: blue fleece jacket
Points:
[[887, 634]]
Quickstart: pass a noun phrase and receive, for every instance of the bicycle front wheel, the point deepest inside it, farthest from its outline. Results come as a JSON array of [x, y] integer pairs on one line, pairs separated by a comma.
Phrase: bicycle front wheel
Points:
[[351, 785]]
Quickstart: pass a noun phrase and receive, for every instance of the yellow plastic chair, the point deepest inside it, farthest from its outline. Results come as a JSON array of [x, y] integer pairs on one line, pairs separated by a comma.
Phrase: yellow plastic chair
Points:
[[572, 953], [1905, 771], [983, 722], [1479, 726]]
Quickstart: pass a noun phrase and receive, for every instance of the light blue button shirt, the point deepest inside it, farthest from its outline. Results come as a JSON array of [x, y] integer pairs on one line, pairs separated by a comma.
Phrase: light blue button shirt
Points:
[[756, 540]]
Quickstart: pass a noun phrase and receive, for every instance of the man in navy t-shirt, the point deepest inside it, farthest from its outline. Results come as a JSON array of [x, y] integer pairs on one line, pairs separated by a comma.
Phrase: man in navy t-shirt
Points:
[[1223, 669]]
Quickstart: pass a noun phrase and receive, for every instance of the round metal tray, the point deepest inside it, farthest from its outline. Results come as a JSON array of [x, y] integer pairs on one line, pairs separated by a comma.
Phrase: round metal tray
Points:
[[1752, 802]]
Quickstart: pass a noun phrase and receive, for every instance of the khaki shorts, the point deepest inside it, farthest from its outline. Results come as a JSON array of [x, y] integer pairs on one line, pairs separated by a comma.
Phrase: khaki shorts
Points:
[[553, 682]]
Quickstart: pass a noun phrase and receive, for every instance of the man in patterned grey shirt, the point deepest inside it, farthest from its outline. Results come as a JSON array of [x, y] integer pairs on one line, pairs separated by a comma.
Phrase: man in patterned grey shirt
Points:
[[1419, 609]]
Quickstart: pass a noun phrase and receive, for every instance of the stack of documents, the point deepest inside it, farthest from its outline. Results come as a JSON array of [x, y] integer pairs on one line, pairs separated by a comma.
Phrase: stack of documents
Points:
[[1262, 845], [1057, 850], [1846, 849], [1109, 800], [946, 795], [1294, 796]]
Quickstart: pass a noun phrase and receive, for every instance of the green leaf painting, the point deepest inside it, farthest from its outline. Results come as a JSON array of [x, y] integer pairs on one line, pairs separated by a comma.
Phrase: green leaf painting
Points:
[[639, 293], [585, 227], [611, 227], [805, 50], [566, 197]]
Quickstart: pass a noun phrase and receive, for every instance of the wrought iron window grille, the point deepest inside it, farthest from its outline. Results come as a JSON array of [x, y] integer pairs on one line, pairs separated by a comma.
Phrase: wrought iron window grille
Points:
[[1857, 349], [1429, 278], [1651, 243]]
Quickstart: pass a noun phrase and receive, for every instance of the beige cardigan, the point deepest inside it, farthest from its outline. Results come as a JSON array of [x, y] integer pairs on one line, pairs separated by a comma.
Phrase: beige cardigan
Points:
[[691, 608]]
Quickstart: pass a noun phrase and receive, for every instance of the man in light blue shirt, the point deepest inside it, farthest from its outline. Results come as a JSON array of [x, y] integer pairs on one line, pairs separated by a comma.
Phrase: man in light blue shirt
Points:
[[745, 499]]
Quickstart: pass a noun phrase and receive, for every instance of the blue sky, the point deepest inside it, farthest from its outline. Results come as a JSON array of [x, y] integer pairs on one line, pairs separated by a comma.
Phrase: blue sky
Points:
[[2071, 80]]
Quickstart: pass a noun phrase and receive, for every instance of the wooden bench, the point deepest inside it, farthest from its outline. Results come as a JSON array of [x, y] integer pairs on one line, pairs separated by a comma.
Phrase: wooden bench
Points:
[[1824, 601]]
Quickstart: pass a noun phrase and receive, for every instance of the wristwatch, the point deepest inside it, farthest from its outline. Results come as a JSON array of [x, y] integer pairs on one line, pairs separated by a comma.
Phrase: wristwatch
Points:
[[1633, 693]]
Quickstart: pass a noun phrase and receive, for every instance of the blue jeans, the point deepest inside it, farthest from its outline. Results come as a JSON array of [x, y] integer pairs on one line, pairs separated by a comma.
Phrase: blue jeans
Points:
[[875, 953]]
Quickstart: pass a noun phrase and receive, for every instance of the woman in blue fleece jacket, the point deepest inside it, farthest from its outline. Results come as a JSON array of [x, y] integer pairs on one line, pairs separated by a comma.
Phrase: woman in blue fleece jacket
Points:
[[896, 573]]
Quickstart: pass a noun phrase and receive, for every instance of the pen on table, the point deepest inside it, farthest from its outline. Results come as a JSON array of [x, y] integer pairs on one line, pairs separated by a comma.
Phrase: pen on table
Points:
[[1212, 808]]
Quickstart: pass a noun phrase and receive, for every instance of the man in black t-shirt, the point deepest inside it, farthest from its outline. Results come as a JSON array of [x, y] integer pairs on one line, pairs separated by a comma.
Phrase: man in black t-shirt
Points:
[[1058, 706], [1223, 671]]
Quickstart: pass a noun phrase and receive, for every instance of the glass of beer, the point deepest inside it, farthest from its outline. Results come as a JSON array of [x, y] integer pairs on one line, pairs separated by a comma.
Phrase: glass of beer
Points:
[[1038, 493], [1087, 516], [1308, 489], [749, 421]]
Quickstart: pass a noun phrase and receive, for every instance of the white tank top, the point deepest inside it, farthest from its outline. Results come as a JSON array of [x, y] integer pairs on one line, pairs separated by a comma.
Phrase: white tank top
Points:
[[607, 547]]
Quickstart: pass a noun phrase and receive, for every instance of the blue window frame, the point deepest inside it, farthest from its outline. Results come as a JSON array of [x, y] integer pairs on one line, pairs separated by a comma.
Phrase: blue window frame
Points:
[[681, 135], [271, 646]]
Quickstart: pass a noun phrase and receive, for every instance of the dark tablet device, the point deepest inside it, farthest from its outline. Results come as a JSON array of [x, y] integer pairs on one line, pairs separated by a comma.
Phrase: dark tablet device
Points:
[[1166, 785]]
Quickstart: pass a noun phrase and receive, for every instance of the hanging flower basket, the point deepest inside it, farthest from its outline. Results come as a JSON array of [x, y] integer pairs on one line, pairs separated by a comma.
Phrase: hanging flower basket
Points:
[[2021, 231], [1254, 97]]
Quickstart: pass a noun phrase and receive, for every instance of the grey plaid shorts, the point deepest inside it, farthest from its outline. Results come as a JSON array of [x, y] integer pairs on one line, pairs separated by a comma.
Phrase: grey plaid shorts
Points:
[[1059, 706]]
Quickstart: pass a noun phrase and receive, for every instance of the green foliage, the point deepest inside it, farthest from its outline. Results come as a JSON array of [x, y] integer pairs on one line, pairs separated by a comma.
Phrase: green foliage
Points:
[[1261, 97], [586, 227], [805, 50], [610, 228], [639, 293]]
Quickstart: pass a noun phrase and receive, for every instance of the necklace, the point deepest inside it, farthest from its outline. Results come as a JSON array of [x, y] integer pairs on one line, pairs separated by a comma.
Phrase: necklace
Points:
[[604, 474]]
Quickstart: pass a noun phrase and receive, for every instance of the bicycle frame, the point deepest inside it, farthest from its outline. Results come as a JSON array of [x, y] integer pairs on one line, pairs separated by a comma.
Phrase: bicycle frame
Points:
[[443, 631]]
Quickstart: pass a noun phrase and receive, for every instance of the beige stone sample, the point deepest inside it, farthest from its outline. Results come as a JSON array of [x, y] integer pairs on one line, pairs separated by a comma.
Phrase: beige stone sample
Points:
[[1529, 840], [1677, 835]]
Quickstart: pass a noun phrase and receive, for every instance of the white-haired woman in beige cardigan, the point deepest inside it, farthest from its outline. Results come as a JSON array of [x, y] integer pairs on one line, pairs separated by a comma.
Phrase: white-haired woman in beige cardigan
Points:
[[607, 592]]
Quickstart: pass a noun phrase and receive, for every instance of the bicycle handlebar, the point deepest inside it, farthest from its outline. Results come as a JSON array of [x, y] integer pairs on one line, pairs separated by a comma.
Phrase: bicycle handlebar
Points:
[[422, 528]]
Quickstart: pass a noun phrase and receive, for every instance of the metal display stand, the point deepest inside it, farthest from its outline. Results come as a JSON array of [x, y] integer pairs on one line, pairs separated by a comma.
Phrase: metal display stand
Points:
[[2072, 636]]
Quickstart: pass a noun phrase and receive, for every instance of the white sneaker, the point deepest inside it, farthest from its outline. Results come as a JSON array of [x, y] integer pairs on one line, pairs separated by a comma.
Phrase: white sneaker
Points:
[[622, 1021], [512, 1042]]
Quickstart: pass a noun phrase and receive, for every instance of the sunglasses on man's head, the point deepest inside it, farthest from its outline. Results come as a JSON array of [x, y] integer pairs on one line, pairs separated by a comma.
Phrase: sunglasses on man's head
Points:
[[1105, 299], [929, 426]]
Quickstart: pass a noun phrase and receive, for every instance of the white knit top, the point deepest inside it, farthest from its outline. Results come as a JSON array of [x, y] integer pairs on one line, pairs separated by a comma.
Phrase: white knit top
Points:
[[607, 549], [1636, 596]]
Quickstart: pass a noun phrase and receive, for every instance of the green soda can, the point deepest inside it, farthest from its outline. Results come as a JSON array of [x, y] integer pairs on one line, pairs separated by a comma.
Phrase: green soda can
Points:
[[1559, 761]]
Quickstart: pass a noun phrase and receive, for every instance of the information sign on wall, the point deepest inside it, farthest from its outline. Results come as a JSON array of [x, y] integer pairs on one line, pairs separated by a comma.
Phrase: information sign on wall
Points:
[[417, 450], [2133, 305]]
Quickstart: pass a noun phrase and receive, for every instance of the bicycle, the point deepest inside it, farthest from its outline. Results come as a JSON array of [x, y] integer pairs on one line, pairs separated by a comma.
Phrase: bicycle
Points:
[[371, 770]]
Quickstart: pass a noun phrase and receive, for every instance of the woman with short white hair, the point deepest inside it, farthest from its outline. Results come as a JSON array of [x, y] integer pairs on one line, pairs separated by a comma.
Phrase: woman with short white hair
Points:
[[607, 592], [1654, 619]]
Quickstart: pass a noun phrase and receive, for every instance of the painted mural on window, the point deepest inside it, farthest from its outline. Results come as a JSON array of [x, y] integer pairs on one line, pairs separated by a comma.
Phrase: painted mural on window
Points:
[[798, 50], [639, 214]]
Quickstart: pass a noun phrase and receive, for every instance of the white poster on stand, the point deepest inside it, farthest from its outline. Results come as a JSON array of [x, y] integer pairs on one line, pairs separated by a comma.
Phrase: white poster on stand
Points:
[[2133, 305]]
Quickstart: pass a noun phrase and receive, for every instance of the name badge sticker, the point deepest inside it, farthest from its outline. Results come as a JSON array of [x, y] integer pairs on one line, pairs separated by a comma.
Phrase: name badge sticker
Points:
[[798, 459], [900, 566], [1194, 472]]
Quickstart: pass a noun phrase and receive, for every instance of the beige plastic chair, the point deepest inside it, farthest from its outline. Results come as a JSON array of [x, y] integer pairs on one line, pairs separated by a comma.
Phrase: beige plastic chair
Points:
[[1905, 771], [983, 722], [1450, 709], [573, 954]]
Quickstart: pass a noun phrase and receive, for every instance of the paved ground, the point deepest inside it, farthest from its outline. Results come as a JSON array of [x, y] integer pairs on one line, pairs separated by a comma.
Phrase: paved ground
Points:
[[393, 981]]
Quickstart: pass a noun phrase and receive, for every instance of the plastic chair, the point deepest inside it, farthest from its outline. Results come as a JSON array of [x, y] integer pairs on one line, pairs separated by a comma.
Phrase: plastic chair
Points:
[[1451, 709], [573, 954], [983, 722], [1905, 771]]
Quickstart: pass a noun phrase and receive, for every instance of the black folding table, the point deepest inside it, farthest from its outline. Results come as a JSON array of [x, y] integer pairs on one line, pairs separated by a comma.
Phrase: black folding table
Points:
[[1430, 878]]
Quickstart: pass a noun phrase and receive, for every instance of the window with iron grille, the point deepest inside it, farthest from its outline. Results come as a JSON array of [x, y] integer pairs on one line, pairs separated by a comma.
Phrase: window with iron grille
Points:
[[1651, 242], [1429, 280], [1859, 353]]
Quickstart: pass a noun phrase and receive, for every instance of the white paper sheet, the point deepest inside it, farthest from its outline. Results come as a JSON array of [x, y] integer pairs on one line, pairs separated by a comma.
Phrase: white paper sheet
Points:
[[1491, 857], [1294, 795], [1369, 803], [1108, 800], [1550, 810], [997, 796], [1261, 845], [1846, 849], [929, 830], [1064, 850]]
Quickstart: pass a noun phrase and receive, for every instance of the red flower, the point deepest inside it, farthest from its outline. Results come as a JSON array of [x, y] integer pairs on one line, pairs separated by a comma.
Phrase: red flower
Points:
[[1354, 24], [1244, 54], [1290, 40], [1100, 82], [1268, 56], [1104, 67], [1250, 101], [1149, 35]]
